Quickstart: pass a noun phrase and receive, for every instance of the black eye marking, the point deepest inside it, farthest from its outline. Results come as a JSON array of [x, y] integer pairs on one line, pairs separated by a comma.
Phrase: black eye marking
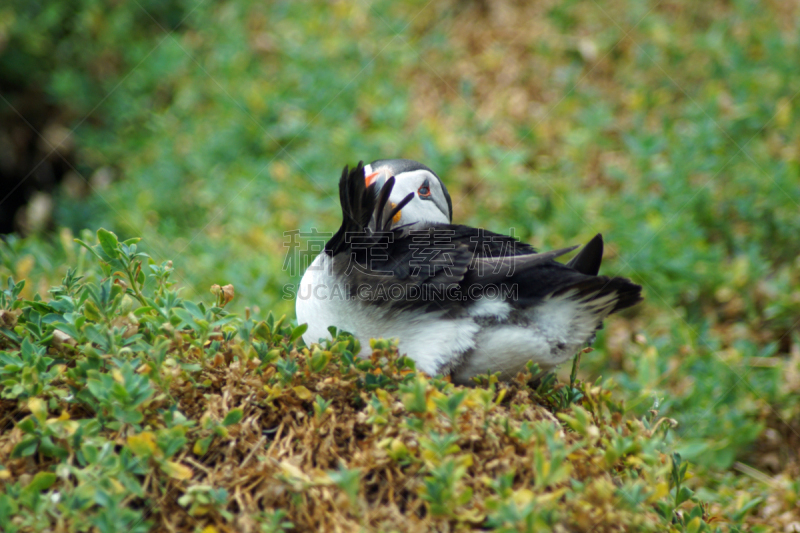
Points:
[[425, 190]]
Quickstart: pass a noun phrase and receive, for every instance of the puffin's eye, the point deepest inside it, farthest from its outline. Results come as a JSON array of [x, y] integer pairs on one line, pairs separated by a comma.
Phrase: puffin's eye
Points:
[[424, 191]]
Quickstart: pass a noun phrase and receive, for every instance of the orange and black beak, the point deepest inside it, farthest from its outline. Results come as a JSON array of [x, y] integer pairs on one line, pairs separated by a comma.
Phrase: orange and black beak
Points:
[[377, 178]]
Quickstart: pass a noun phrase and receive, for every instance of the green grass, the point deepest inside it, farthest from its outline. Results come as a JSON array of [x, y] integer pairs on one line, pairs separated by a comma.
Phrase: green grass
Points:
[[136, 409], [672, 128]]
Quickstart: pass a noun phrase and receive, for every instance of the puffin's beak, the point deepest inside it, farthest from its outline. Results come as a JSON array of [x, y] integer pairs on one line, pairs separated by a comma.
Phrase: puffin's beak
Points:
[[369, 179], [396, 218], [377, 178]]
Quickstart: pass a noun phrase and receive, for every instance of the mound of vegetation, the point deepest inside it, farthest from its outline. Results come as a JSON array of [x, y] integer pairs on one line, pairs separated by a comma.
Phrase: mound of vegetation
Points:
[[126, 408]]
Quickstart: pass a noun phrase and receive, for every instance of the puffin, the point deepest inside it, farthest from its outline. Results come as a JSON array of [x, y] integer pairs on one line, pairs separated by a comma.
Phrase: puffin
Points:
[[461, 301]]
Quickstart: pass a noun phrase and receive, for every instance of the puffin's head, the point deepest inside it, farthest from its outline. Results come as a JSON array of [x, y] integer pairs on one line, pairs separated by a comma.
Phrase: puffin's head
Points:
[[431, 203]]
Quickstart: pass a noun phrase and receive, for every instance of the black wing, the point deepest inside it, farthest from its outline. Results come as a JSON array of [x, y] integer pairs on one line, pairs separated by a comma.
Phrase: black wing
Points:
[[446, 266]]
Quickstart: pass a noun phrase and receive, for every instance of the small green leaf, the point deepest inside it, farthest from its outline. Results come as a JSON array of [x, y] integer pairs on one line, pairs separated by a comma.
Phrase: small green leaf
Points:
[[69, 329], [201, 446], [746, 508], [298, 332], [277, 326], [109, 243], [143, 311], [186, 317], [88, 247], [90, 453], [48, 448], [27, 425], [41, 481], [319, 360], [195, 310], [349, 480], [25, 448], [234, 416], [262, 330], [91, 311], [684, 494]]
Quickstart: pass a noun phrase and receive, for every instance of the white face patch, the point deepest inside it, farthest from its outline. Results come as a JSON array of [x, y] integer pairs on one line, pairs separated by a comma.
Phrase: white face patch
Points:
[[421, 211]]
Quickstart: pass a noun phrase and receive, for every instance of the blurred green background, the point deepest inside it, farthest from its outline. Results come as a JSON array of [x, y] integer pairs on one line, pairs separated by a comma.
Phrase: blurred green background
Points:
[[211, 128]]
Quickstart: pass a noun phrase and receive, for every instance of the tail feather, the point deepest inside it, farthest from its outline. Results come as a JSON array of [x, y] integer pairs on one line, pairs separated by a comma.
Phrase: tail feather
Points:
[[611, 294], [589, 258], [596, 289]]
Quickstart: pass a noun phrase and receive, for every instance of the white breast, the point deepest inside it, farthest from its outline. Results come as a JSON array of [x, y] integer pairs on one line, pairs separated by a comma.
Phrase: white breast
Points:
[[430, 340], [548, 334]]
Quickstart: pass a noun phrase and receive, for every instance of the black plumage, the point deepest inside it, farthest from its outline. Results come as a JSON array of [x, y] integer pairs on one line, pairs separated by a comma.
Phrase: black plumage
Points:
[[589, 258], [452, 260]]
